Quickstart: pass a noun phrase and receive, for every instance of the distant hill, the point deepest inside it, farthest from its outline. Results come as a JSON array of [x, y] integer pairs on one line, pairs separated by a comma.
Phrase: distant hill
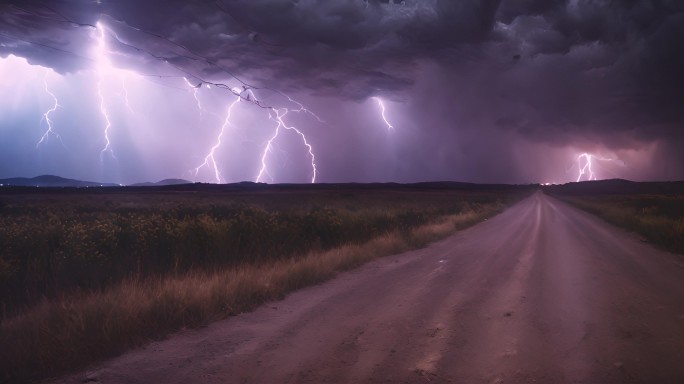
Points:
[[51, 181], [61, 182], [162, 183]]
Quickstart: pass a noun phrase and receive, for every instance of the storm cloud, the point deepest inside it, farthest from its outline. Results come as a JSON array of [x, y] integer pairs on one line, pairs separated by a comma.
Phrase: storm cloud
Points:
[[483, 88]]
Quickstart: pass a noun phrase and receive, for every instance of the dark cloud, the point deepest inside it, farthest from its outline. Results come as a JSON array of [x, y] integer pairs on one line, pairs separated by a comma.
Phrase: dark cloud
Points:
[[548, 71]]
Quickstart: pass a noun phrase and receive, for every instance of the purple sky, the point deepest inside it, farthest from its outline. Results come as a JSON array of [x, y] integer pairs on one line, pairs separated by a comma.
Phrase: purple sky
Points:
[[510, 91]]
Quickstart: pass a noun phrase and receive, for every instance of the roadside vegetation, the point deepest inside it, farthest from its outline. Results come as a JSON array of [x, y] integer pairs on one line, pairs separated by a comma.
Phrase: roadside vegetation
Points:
[[87, 275], [658, 218]]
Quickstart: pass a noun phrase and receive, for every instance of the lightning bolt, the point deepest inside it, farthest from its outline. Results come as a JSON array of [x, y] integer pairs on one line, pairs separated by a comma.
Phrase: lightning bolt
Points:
[[108, 124], [246, 94], [124, 94], [103, 64], [381, 104], [586, 169], [209, 159], [278, 114], [195, 93], [46, 116]]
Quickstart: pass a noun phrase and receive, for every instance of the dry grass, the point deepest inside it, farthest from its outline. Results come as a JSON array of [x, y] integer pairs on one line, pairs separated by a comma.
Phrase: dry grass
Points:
[[658, 218], [78, 329], [55, 243]]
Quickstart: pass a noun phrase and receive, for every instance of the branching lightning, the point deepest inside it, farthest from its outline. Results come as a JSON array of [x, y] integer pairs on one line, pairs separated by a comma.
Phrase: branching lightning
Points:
[[245, 93], [302, 109], [46, 116], [278, 114], [210, 159], [584, 163], [104, 70], [586, 169], [390, 127]]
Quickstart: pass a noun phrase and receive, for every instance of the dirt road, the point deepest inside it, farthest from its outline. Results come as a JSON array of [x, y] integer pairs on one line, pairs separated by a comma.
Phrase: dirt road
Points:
[[542, 293]]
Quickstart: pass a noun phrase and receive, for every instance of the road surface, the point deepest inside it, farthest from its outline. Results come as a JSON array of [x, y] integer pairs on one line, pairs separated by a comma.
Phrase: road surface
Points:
[[542, 293]]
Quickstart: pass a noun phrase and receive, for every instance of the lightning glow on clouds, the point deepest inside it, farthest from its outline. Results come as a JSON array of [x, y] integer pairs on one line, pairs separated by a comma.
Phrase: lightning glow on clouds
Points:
[[110, 82], [149, 94], [107, 73]]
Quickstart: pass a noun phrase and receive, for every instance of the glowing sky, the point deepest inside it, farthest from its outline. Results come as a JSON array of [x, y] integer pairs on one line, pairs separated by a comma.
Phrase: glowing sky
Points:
[[510, 91]]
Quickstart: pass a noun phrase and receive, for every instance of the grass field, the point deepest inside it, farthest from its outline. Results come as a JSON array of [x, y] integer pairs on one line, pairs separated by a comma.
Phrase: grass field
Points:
[[88, 274], [658, 218]]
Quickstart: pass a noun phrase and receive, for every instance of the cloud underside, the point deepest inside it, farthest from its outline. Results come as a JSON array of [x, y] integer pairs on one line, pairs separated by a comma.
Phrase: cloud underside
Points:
[[609, 71]]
